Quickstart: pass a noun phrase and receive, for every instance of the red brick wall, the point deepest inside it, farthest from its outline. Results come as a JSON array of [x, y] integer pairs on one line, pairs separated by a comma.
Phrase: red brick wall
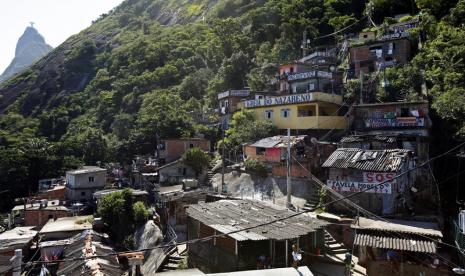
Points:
[[40, 217], [176, 148], [53, 194], [296, 170]]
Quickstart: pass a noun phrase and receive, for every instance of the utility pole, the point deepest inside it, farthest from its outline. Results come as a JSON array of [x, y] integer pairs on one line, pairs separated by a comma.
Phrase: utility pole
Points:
[[16, 262], [288, 179], [305, 44], [361, 87], [223, 128]]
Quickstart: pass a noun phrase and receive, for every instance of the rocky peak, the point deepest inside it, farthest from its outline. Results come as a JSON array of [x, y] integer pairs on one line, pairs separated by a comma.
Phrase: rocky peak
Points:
[[31, 47]]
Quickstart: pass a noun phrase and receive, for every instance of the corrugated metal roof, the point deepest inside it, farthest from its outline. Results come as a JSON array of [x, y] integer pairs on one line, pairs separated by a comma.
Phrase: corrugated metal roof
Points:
[[279, 141], [231, 215], [380, 241], [368, 138], [367, 160], [400, 226]]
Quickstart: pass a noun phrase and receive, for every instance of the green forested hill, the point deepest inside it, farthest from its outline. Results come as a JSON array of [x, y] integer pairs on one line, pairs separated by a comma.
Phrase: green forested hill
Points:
[[146, 69]]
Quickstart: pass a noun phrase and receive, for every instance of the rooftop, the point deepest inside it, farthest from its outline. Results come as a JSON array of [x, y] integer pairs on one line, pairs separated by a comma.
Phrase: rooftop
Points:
[[16, 238], [232, 215], [86, 169], [102, 193], [391, 103], [278, 141], [416, 236], [67, 224], [288, 271], [401, 226], [85, 246], [368, 160], [52, 205], [368, 137]]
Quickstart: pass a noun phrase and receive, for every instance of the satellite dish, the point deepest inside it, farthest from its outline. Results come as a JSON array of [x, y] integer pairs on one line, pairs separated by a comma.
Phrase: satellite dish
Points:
[[332, 68], [459, 270], [314, 140]]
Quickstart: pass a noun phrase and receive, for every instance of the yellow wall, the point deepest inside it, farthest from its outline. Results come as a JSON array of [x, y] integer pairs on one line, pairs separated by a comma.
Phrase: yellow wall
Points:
[[310, 122]]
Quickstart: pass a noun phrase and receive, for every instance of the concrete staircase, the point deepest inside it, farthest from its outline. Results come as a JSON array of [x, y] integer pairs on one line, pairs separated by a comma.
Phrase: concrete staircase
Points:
[[174, 260], [336, 253]]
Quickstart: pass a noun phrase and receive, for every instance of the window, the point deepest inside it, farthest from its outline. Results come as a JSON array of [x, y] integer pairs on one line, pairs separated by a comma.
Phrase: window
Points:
[[269, 114], [260, 151], [83, 193], [405, 112], [285, 113], [91, 179], [179, 170], [305, 111], [311, 86], [191, 145], [184, 171]]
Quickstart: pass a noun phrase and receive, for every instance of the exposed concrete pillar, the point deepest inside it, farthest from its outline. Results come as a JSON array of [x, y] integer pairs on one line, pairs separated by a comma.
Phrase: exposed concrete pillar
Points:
[[16, 262]]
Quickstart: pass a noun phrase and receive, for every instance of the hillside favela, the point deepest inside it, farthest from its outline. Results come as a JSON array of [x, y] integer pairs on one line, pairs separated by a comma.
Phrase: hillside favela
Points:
[[232, 137]]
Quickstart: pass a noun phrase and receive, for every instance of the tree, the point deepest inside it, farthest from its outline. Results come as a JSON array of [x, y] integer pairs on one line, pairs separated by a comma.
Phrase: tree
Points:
[[141, 214], [245, 128], [256, 167], [117, 212], [197, 159]]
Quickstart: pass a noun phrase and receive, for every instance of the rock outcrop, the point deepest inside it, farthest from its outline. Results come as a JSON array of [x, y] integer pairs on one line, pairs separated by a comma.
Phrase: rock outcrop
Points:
[[31, 47]]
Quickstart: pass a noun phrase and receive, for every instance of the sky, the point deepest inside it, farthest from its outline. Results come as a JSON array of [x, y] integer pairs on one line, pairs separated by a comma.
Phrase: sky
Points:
[[56, 20]]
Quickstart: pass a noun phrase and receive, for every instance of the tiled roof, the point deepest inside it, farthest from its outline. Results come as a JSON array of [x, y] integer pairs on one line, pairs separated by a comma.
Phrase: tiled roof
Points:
[[367, 160], [230, 215], [395, 242]]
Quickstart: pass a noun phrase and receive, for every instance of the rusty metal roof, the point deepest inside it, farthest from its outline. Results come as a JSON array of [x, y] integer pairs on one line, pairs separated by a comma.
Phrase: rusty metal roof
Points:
[[367, 160], [368, 138], [397, 225], [397, 243], [279, 141], [231, 215]]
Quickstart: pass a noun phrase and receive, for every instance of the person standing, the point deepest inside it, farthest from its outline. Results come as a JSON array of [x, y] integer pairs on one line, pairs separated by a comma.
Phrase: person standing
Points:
[[296, 256]]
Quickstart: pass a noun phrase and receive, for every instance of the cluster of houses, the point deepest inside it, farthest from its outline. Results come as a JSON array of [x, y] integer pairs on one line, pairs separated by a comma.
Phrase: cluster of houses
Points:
[[360, 153]]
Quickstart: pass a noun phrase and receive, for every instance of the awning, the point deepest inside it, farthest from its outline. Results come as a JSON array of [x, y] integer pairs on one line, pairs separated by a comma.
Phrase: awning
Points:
[[397, 243]]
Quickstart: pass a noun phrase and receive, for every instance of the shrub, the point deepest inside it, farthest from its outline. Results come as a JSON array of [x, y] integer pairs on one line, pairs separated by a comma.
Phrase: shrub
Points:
[[256, 167]]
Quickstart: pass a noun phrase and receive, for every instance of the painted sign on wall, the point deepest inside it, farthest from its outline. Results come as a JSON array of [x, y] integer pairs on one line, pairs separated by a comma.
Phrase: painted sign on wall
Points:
[[288, 99], [398, 122], [310, 74], [377, 177], [351, 186]]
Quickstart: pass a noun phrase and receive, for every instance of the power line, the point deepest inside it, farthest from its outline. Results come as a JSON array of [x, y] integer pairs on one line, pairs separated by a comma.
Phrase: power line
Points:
[[262, 224]]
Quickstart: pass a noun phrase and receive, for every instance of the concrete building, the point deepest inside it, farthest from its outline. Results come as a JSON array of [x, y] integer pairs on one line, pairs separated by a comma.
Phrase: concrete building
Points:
[[38, 213], [369, 53], [175, 172], [56, 192], [353, 170], [376, 55], [273, 151], [64, 228], [82, 183], [308, 111], [240, 251], [393, 117], [172, 149], [393, 247], [16, 238]]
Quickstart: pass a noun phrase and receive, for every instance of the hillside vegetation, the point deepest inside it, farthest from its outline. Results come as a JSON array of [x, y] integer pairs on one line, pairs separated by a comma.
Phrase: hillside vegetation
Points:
[[147, 69]]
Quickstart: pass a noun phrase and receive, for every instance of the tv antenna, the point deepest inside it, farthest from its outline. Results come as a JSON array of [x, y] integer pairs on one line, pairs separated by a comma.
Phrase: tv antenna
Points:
[[32, 24]]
